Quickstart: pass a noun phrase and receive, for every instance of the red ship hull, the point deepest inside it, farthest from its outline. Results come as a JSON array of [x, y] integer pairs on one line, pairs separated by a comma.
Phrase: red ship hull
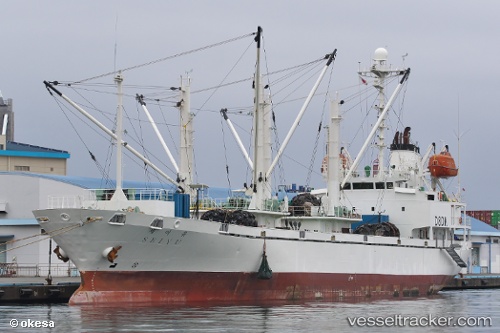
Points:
[[154, 288]]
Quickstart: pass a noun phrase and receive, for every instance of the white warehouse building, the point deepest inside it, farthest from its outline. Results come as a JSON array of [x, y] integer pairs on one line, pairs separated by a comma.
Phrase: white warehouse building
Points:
[[24, 249]]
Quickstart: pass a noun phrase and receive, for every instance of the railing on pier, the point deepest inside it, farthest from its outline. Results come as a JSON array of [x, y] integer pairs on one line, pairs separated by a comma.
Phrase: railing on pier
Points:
[[36, 270]]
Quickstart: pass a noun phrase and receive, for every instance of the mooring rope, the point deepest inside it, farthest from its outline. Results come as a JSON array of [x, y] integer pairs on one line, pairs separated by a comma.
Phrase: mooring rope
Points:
[[50, 234]]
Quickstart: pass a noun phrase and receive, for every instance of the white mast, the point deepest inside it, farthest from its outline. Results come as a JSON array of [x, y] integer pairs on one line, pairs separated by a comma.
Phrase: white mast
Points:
[[223, 112], [140, 99], [375, 127], [266, 133], [109, 132], [381, 71], [186, 158], [333, 186], [331, 57], [119, 134], [263, 167], [185, 167], [258, 123]]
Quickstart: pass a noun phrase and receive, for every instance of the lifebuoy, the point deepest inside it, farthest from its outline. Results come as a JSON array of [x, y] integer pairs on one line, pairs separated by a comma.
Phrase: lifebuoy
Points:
[[324, 164]]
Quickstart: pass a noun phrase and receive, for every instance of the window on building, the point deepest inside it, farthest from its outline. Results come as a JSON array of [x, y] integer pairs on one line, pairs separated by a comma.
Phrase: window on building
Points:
[[3, 251], [21, 168]]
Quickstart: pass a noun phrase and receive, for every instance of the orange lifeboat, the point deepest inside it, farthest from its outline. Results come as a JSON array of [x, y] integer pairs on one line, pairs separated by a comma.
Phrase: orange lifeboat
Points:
[[344, 163], [442, 165]]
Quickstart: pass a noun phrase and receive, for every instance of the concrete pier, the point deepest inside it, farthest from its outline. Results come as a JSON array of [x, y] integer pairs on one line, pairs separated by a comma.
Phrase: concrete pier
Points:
[[474, 281], [36, 289]]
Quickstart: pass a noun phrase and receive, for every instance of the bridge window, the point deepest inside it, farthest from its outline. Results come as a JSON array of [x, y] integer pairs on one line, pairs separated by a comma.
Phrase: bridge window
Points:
[[362, 186]]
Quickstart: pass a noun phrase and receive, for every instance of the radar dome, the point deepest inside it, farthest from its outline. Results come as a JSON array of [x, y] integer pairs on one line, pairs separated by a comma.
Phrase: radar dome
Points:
[[380, 54]]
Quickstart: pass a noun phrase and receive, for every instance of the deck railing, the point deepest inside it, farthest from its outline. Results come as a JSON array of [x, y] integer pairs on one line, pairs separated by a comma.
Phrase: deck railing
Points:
[[93, 195]]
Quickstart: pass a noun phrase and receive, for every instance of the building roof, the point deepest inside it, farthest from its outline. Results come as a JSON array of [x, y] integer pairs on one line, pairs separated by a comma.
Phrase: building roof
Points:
[[479, 228], [99, 183], [26, 150], [18, 222], [90, 183]]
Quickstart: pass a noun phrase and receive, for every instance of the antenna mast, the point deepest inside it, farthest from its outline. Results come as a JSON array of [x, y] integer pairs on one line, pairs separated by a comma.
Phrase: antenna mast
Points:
[[119, 134], [381, 71]]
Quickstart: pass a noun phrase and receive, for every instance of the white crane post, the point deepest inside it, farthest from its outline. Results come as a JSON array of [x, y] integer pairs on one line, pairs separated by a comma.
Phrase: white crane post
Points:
[[140, 99], [119, 135], [301, 113], [106, 130], [223, 112], [375, 127]]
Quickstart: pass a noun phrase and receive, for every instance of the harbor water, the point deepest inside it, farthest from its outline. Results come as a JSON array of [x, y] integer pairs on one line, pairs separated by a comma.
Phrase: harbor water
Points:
[[450, 311]]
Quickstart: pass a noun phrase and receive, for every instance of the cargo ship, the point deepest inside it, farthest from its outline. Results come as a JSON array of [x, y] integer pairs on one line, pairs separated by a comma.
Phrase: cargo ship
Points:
[[387, 232]]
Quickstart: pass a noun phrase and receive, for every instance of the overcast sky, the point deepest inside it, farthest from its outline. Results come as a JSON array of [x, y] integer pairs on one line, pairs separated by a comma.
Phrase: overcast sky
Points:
[[452, 48]]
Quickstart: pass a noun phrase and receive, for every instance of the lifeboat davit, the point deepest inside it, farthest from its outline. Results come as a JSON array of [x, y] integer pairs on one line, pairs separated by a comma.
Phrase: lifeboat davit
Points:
[[442, 165]]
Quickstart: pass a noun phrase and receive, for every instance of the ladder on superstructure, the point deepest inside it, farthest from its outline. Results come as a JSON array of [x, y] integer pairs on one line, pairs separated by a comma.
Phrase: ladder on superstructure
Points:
[[454, 255]]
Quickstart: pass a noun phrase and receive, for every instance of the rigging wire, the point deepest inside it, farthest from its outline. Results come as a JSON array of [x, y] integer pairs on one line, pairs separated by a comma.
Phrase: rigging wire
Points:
[[168, 57], [281, 173], [50, 234], [168, 127], [367, 112], [312, 74], [140, 139], [268, 74], [216, 89], [111, 143], [107, 165], [225, 77], [104, 170], [315, 149], [101, 169], [225, 152], [297, 69]]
